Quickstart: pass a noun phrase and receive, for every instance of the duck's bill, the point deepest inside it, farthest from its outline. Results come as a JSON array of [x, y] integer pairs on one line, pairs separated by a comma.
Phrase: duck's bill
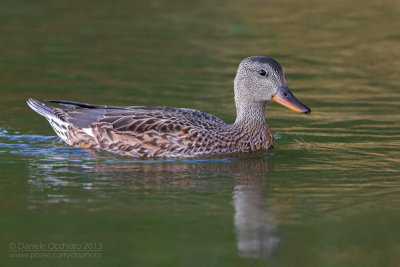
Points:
[[287, 99]]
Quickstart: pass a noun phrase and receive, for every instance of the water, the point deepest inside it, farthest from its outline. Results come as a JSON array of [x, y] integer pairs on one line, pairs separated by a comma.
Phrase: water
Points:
[[328, 193]]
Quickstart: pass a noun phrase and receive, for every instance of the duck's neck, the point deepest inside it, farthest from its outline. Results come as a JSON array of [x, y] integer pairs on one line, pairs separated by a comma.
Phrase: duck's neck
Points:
[[250, 114]]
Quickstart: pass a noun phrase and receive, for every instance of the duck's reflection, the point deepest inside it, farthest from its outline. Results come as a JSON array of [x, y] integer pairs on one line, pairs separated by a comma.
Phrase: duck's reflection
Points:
[[256, 223]]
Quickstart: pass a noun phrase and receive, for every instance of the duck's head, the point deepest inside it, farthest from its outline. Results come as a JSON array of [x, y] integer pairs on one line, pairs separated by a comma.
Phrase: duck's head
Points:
[[260, 79]]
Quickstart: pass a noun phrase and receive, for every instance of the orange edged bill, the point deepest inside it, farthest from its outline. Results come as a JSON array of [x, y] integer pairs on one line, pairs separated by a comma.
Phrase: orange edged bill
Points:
[[287, 99]]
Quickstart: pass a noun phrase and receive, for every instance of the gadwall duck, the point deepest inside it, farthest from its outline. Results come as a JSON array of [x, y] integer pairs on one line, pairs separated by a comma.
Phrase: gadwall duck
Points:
[[178, 132]]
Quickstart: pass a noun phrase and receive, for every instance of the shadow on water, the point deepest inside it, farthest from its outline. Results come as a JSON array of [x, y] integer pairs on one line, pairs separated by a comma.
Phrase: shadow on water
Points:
[[55, 169]]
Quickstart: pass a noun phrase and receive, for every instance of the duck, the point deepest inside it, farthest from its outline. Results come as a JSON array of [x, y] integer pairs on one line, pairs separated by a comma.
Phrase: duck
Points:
[[169, 132]]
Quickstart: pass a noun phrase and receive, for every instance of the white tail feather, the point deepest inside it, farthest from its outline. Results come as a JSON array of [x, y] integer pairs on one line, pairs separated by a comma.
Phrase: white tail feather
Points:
[[60, 126]]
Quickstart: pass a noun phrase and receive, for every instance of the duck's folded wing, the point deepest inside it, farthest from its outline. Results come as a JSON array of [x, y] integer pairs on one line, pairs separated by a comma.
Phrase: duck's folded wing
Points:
[[137, 119], [160, 119]]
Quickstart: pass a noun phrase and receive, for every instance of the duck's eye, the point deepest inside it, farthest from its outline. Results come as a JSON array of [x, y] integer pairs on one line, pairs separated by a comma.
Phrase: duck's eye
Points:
[[262, 72]]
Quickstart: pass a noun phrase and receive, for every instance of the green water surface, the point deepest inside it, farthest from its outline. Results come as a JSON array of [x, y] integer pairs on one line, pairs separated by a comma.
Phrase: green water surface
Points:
[[327, 194]]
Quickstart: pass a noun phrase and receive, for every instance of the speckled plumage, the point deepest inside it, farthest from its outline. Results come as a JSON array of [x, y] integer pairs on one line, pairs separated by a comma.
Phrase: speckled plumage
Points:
[[173, 132]]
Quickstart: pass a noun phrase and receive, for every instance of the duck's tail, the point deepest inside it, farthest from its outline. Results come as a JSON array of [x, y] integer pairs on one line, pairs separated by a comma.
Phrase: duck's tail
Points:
[[41, 108], [60, 126]]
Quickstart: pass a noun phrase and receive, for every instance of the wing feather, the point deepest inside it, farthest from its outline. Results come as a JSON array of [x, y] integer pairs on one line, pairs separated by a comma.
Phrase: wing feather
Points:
[[138, 119]]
